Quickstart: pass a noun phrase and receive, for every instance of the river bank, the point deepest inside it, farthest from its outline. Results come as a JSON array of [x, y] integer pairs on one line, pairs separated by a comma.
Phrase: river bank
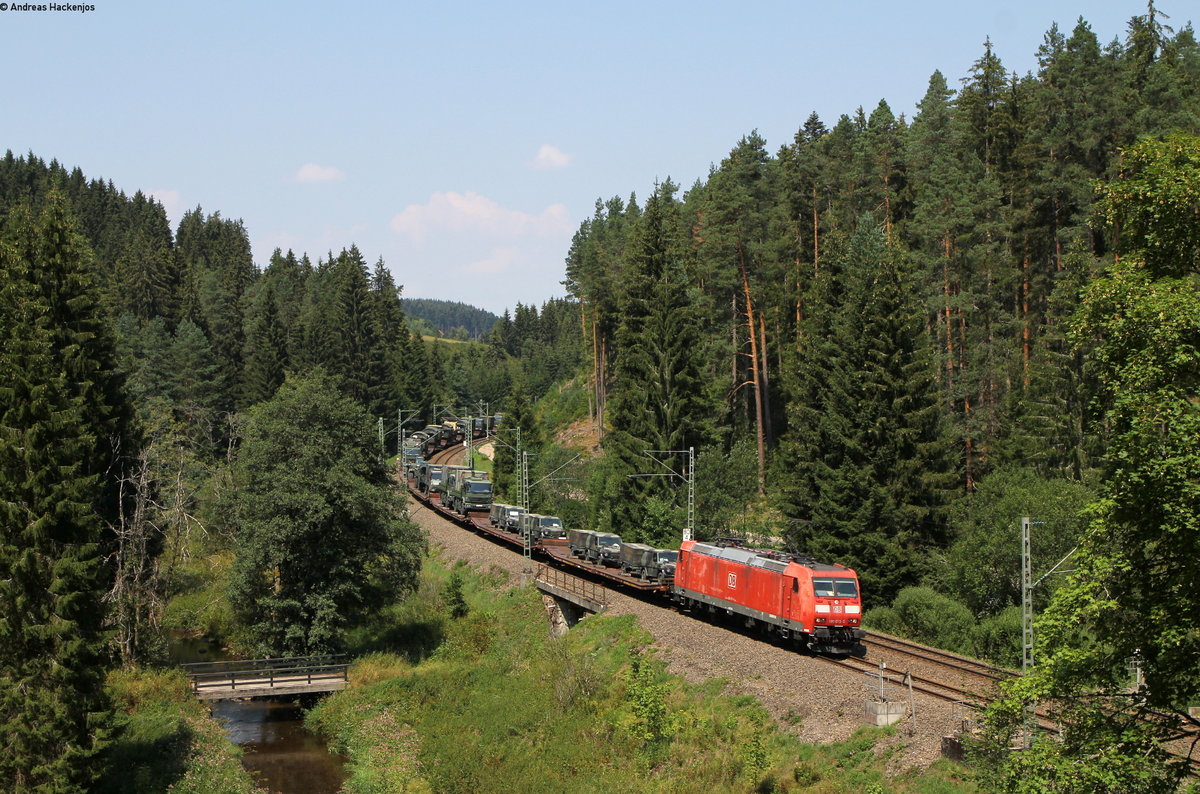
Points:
[[167, 740]]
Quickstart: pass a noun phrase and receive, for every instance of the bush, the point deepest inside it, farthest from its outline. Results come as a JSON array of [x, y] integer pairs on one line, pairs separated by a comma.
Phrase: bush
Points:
[[923, 615], [998, 638], [456, 603]]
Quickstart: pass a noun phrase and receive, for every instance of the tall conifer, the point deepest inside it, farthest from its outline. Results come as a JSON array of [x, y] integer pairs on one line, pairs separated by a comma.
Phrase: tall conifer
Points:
[[64, 433], [660, 399]]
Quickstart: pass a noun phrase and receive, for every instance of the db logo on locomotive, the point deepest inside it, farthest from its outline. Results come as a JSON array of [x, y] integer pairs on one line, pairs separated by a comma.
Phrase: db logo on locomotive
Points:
[[732, 583]]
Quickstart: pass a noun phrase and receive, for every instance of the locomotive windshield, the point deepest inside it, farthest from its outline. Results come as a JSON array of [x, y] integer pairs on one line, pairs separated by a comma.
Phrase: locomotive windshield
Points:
[[835, 588]]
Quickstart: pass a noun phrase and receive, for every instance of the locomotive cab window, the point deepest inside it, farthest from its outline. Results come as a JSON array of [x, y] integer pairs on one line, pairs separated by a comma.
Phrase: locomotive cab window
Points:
[[835, 588]]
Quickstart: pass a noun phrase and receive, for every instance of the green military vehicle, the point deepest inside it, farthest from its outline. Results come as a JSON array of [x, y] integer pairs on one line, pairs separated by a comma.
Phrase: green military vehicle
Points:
[[467, 491], [647, 562], [536, 525]]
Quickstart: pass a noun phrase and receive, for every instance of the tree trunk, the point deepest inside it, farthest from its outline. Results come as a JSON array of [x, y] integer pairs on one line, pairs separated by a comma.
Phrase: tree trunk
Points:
[[597, 378], [1025, 336], [816, 228], [734, 381], [583, 329], [948, 319], [768, 430], [755, 378], [603, 386]]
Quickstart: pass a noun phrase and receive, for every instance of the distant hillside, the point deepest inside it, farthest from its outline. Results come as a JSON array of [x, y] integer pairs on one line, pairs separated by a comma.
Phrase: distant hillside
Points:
[[448, 318]]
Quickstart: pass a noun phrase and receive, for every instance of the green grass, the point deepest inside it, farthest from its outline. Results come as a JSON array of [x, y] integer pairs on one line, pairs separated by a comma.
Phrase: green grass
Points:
[[482, 463], [167, 740], [499, 705]]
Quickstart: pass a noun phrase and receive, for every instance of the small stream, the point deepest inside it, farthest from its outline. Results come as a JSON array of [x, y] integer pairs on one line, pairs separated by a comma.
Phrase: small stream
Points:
[[283, 757], [278, 751]]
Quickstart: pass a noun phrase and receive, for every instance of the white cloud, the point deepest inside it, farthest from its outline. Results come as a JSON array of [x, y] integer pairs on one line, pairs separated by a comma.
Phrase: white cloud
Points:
[[550, 157], [471, 212], [498, 262], [311, 172]]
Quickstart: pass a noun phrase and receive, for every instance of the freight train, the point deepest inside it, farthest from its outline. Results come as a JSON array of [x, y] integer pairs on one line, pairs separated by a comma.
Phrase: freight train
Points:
[[790, 596]]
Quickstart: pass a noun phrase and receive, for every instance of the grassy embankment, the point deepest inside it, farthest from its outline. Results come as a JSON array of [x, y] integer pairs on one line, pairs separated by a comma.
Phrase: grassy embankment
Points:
[[490, 702], [167, 740]]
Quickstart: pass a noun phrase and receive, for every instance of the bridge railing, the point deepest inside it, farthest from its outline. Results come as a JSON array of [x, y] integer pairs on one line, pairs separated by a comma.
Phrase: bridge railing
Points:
[[572, 584], [268, 672]]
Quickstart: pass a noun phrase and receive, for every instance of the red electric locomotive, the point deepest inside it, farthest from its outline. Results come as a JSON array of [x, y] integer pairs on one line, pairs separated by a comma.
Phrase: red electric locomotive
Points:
[[794, 596]]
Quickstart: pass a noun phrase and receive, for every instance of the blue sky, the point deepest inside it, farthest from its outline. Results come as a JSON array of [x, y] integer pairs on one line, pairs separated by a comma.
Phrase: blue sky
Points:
[[465, 142]]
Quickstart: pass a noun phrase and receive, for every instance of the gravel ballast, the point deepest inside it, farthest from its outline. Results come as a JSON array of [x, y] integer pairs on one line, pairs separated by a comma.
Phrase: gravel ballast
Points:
[[814, 699]]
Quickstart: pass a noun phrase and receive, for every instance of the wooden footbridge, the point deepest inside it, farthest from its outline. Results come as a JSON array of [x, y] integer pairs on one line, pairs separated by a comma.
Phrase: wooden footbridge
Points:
[[294, 675]]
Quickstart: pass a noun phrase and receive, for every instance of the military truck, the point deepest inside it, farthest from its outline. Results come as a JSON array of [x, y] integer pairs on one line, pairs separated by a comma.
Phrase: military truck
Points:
[[410, 456], [601, 548], [536, 525], [577, 541], [607, 550], [450, 474], [467, 491], [506, 517], [429, 444], [450, 431], [498, 515], [429, 477], [512, 521], [647, 562]]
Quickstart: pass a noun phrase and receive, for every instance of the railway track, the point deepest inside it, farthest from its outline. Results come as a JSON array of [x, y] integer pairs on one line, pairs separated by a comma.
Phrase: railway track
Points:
[[933, 672], [895, 677], [879, 645]]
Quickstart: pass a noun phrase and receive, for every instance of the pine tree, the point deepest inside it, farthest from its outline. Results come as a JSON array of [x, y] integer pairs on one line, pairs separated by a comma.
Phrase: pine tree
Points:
[[64, 433], [873, 476], [736, 246], [1133, 593], [660, 401], [266, 352]]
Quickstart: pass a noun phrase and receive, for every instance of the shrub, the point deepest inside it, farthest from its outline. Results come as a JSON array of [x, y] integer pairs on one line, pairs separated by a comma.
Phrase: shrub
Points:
[[924, 615]]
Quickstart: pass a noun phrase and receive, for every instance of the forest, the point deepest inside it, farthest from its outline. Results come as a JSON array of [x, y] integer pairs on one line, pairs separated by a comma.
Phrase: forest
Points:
[[452, 319], [887, 341]]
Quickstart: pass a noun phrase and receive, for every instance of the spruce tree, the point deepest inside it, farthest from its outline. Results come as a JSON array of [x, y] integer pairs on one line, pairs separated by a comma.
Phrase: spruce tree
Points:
[[660, 400], [518, 413], [64, 434], [391, 351], [266, 352], [873, 477]]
